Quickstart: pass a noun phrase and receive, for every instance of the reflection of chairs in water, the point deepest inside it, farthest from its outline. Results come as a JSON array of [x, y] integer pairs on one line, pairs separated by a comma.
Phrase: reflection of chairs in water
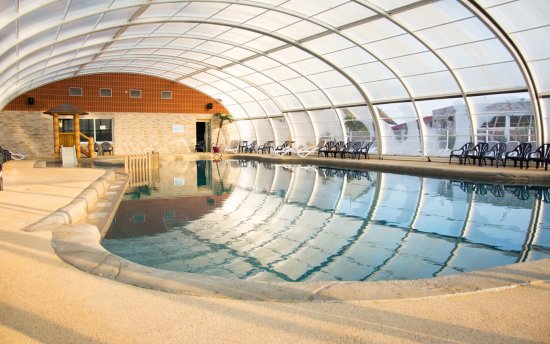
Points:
[[349, 174]]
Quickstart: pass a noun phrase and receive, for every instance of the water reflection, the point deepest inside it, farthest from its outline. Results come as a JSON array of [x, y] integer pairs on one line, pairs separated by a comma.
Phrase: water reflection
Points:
[[289, 222]]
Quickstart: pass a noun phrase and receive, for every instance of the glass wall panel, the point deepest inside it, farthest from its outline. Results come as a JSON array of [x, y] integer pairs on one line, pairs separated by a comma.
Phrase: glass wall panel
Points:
[[541, 71], [359, 125], [246, 130], [504, 118], [327, 124], [446, 125], [264, 130], [301, 128], [270, 108], [545, 105], [281, 130], [399, 129], [288, 102]]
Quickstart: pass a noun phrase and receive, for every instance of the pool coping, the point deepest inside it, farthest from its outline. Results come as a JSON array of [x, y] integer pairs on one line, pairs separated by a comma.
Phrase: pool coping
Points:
[[78, 243]]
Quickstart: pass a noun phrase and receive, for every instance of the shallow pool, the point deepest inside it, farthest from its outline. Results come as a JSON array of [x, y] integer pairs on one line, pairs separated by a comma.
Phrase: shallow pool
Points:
[[259, 221]]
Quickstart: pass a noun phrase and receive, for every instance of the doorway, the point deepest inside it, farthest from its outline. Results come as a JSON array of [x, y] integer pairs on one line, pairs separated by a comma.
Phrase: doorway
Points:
[[202, 133]]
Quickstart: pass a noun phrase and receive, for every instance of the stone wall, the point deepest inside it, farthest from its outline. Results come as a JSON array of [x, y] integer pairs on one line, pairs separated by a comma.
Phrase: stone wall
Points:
[[31, 132], [27, 132]]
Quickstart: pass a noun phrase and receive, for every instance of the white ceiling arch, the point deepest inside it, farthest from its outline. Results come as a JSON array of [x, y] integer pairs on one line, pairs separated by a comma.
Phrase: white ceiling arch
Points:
[[298, 54]]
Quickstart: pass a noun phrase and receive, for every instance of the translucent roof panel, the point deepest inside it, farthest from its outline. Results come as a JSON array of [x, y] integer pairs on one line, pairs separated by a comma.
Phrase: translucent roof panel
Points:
[[268, 57]]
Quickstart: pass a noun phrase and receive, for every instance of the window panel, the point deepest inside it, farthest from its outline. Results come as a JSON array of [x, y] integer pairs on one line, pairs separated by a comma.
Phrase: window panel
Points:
[[545, 105], [432, 84], [301, 128], [301, 30], [522, 15], [375, 30], [344, 95], [313, 99], [288, 102], [201, 9], [299, 85], [503, 118], [328, 44], [396, 46], [358, 124], [238, 13], [246, 130], [530, 43], [327, 124], [374, 71], [435, 14], [310, 66], [281, 73], [264, 130], [272, 20], [33, 22], [416, 64], [253, 109], [281, 130], [270, 107], [475, 54], [329, 79], [399, 129], [385, 90], [462, 32], [344, 14], [350, 57], [492, 77], [446, 125], [289, 55]]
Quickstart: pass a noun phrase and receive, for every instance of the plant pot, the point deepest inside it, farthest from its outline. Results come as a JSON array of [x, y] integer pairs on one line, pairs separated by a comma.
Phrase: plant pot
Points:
[[216, 149]]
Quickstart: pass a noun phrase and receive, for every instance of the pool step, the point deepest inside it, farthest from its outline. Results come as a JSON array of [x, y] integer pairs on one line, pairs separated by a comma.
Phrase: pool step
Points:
[[104, 212]]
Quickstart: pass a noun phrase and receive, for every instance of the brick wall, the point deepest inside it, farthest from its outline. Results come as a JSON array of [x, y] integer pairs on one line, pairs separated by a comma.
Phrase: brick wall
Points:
[[184, 99], [27, 132]]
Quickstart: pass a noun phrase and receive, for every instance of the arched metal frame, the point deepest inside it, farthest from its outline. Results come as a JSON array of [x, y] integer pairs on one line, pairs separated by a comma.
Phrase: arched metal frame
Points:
[[477, 11]]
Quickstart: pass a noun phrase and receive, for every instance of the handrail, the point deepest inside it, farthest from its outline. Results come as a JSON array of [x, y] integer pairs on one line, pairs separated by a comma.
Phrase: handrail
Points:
[[91, 151]]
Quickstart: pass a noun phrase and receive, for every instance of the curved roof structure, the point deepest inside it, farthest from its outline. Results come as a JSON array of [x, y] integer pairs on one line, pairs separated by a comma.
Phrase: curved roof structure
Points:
[[418, 76]]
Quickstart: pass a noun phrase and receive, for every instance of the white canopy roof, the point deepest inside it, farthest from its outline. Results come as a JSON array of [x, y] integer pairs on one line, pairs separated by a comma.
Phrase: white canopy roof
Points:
[[267, 58]]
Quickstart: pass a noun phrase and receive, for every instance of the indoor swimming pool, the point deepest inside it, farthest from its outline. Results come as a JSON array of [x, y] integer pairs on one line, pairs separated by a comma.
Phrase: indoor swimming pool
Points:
[[268, 222]]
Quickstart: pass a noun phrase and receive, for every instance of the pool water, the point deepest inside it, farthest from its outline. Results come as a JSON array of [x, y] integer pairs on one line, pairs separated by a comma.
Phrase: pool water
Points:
[[258, 221]]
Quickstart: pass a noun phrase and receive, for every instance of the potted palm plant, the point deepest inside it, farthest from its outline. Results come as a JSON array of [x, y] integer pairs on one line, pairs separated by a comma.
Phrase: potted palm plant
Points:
[[223, 117]]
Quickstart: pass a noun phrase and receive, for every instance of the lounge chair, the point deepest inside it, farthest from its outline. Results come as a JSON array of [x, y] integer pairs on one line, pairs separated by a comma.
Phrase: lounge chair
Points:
[[251, 147], [268, 146], [233, 147], [304, 150], [350, 149], [326, 148], [364, 149], [284, 148], [476, 152], [242, 146], [106, 147], [520, 153], [540, 156], [461, 152], [494, 154]]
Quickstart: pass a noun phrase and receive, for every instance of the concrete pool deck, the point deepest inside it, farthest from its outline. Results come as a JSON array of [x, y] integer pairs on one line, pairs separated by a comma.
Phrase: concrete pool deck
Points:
[[47, 300]]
